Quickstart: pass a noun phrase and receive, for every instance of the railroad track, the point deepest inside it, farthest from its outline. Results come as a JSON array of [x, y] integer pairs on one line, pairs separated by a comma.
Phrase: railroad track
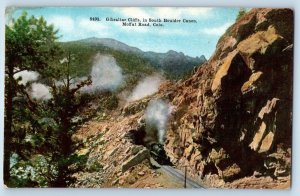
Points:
[[177, 174]]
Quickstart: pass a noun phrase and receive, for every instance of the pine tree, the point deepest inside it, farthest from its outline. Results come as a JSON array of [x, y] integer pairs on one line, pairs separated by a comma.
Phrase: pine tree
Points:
[[241, 13], [30, 45]]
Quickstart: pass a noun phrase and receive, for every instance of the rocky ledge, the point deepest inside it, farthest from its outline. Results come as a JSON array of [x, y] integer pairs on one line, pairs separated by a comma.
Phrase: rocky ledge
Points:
[[234, 115]]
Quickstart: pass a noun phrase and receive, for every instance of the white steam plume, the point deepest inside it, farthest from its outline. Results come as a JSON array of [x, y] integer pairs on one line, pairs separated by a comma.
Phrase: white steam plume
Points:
[[106, 74], [145, 87], [73, 82], [40, 91], [26, 76], [157, 114]]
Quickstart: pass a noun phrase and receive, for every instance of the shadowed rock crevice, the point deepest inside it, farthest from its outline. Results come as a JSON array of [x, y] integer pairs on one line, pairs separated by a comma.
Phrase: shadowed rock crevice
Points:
[[239, 118]]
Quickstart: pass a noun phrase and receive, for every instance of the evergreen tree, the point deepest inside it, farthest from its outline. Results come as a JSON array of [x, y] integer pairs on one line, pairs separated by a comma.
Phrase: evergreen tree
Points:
[[30, 45], [241, 13]]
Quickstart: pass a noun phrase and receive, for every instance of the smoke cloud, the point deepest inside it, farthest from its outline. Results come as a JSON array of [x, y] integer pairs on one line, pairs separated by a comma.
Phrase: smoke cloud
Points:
[[145, 87], [106, 74], [73, 82], [26, 76], [157, 114], [40, 92]]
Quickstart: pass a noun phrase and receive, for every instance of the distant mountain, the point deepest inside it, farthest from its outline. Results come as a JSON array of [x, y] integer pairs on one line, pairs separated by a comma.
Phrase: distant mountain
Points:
[[175, 64], [111, 43]]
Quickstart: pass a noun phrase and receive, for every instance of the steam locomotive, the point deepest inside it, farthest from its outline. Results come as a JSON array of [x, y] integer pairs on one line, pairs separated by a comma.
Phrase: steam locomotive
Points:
[[158, 153]]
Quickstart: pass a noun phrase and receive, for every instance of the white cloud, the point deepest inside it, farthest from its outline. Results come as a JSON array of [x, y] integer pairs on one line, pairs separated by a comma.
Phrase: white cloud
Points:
[[65, 24], [98, 28], [201, 11], [165, 31], [166, 12], [216, 30], [92, 25], [133, 12], [160, 13]]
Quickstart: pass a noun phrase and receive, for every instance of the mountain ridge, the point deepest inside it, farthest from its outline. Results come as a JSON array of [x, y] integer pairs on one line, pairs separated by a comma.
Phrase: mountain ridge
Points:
[[119, 45], [175, 64]]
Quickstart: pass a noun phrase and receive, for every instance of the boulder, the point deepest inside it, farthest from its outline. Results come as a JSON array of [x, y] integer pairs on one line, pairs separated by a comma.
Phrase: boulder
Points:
[[264, 137], [223, 71], [136, 159], [252, 83], [266, 142], [257, 49], [255, 144], [268, 108], [231, 72], [278, 18]]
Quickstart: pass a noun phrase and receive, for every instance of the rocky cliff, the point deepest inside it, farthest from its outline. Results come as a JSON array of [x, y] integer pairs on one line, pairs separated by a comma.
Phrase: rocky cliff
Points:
[[234, 115], [231, 123]]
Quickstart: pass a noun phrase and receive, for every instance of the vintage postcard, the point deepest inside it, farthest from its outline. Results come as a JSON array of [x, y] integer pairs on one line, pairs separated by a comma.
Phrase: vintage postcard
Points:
[[148, 97]]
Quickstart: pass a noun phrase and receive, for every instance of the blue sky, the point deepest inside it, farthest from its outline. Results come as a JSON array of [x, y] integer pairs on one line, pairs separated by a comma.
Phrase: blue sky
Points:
[[193, 39]]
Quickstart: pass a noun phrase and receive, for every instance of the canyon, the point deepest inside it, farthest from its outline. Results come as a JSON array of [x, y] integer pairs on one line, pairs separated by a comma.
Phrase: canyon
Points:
[[230, 124]]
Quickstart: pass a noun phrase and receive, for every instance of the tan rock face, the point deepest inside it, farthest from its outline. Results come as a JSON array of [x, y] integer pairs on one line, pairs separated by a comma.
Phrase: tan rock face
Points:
[[252, 83], [264, 138], [223, 70], [232, 117], [260, 45], [268, 108], [255, 144], [136, 159], [267, 142], [235, 110]]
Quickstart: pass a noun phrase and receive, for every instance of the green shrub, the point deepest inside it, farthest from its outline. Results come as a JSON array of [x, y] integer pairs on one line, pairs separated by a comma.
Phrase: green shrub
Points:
[[241, 13], [39, 171]]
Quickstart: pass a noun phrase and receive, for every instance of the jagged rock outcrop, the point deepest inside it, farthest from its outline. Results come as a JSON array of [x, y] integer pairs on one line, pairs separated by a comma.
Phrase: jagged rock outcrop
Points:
[[136, 159], [234, 115], [231, 121]]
